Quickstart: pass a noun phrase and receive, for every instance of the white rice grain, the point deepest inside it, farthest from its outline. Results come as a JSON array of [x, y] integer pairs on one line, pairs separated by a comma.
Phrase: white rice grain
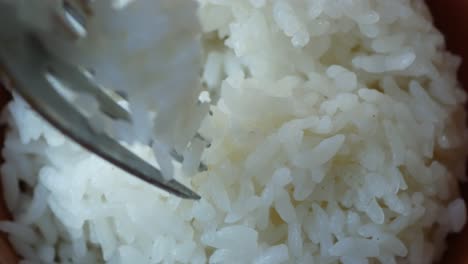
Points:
[[336, 134]]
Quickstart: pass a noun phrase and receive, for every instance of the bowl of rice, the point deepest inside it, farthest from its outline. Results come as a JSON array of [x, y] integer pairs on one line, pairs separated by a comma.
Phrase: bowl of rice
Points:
[[337, 134]]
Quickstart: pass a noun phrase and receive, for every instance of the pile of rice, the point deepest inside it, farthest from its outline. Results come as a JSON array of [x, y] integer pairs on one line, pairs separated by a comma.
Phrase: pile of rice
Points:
[[337, 135]]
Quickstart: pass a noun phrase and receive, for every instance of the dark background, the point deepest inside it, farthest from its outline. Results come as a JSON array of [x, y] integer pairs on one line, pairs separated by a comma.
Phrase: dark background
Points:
[[451, 17]]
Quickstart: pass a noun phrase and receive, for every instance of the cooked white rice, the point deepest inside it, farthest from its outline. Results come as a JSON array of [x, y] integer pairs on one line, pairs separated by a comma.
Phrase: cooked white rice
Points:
[[337, 136]]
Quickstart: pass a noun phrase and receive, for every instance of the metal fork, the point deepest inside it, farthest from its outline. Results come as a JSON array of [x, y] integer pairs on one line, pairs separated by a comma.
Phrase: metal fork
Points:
[[26, 64]]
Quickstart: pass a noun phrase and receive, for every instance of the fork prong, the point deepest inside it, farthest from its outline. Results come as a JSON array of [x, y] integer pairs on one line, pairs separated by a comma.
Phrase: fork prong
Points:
[[73, 17], [79, 82], [24, 67]]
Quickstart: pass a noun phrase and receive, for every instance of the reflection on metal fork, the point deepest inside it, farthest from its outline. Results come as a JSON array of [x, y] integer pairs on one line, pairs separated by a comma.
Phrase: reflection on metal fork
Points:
[[26, 65]]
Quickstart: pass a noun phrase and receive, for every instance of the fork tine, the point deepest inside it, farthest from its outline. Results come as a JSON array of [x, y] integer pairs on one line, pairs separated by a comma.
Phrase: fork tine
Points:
[[72, 16], [78, 81], [24, 67]]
